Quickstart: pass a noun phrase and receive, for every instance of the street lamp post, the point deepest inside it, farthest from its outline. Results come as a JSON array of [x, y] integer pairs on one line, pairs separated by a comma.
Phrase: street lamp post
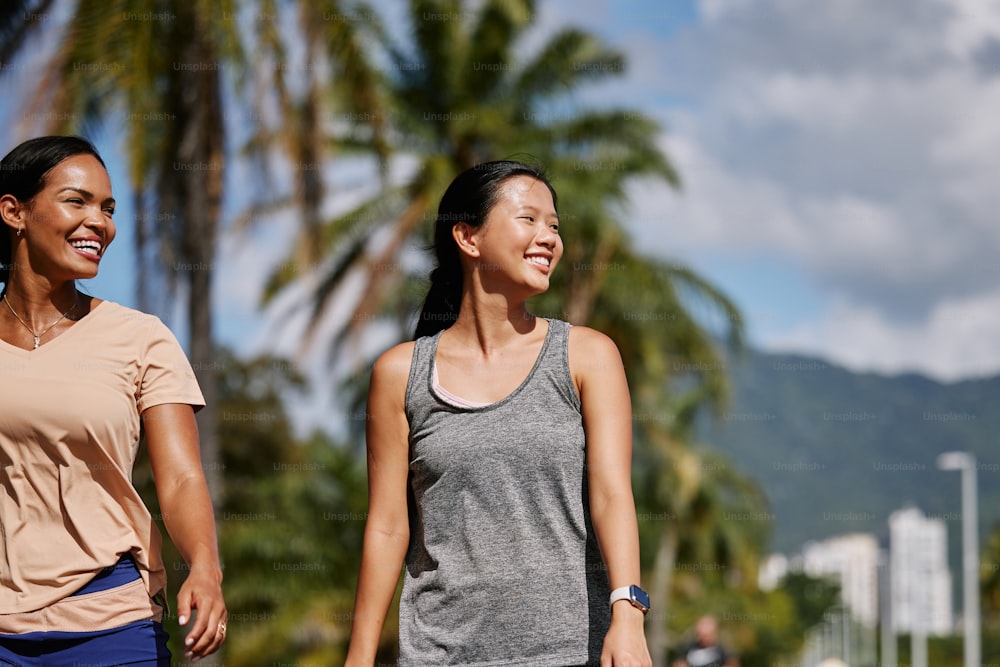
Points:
[[966, 463]]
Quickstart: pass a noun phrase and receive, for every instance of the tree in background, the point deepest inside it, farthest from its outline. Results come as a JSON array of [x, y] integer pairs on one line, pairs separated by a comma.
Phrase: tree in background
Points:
[[454, 89], [290, 526], [990, 596], [154, 69], [328, 101], [17, 24], [457, 92], [707, 527]]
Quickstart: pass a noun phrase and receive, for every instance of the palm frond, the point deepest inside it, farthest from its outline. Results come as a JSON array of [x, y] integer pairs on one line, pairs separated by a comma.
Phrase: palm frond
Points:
[[497, 28], [19, 20], [568, 59]]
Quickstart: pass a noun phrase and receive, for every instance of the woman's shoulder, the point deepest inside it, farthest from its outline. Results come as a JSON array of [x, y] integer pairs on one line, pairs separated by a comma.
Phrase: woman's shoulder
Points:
[[591, 351], [395, 362], [125, 323], [391, 375], [587, 340], [114, 312]]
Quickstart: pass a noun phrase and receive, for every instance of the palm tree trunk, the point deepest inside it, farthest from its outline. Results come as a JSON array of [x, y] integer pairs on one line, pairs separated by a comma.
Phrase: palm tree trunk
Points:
[[378, 281], [201, 151], [663, 569], [586, 285]]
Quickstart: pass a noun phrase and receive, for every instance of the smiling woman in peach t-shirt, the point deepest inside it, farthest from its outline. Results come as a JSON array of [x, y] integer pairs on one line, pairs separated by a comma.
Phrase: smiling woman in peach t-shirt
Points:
[[81, 576]]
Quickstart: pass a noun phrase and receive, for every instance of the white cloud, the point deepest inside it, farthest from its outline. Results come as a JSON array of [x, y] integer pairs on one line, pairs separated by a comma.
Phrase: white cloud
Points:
[[957, 340], [716, 209], [974, 22], [855, 141], [852, 141]]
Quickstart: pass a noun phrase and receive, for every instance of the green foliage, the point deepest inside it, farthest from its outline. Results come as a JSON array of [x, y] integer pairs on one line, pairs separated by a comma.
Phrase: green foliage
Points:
[[290, 527], [461, 88], [941, 651], [457, 91], [806, 429], [775, 624], [990, 596], [762, 628], [813, 597], [989, 576], [296, 543]]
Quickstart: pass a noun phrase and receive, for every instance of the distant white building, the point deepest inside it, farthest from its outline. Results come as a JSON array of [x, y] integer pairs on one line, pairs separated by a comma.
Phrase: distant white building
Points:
[[852, 561], [920, 582]]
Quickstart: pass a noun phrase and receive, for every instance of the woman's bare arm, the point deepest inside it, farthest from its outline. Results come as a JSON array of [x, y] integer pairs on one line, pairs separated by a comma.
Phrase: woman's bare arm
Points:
[[607, 419], [175, 456], [387, 530]]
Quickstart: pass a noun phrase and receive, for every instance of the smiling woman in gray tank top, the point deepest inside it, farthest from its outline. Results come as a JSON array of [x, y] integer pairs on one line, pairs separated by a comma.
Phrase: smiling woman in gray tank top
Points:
[[499, 457]]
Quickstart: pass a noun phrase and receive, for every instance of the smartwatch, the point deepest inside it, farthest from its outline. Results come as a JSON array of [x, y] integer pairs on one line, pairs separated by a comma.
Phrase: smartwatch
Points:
[[637, 597]]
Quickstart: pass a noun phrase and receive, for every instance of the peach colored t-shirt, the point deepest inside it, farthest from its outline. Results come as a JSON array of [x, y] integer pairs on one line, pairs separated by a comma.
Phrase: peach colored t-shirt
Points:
[[69, 433]]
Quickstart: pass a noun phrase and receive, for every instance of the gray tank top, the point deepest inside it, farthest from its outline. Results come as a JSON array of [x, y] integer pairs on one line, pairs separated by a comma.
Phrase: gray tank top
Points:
[[502, 566]]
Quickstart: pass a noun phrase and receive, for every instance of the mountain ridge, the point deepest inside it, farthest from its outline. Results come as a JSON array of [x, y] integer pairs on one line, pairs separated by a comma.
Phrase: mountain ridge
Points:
[[836, 451]]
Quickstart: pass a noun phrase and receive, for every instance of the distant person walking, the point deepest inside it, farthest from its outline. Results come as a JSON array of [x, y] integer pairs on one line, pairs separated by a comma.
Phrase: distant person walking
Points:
[[499, 458], [705, 650]]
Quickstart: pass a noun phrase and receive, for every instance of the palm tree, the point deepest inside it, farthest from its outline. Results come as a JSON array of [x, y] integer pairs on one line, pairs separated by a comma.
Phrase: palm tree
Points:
[[457, 94], [18, 19], [290, 525], [705, 515], [153, 67], [291, 502], [677, 370], [335, 80]]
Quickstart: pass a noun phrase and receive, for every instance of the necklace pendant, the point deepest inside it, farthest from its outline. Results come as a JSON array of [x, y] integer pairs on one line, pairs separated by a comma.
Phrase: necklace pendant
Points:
[[36, 336]]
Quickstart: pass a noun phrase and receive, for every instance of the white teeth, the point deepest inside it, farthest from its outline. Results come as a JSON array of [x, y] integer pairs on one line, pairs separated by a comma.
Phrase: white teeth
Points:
[[91, 246], [543, 261]]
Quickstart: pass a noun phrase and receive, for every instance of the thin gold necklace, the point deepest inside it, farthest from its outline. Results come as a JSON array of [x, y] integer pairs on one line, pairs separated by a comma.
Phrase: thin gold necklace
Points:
[[37, 336]]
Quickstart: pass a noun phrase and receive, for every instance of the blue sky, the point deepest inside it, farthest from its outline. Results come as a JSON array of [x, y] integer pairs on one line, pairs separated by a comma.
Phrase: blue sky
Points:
[[839, 163]]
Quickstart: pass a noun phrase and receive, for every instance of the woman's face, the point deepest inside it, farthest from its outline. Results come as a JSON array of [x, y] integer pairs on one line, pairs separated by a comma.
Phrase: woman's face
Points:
[[68, 225], [520, 238]]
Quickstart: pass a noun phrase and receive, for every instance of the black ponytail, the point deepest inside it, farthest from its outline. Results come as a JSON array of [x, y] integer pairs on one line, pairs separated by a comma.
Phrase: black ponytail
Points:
[[22, 174], [441, 304], [468, 199]]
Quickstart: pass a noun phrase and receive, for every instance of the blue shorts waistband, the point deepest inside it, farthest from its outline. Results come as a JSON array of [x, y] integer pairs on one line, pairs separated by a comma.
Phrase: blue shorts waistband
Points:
[[60, 635], [113, 576], [143, 643]]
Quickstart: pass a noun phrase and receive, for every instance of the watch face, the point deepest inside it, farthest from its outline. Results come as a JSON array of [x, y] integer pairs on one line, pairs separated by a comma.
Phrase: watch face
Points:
[[640, 597]]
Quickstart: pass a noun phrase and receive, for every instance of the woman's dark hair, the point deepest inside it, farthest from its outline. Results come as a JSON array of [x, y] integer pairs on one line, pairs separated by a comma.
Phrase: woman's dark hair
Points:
[[23, 171], [468, 199]]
